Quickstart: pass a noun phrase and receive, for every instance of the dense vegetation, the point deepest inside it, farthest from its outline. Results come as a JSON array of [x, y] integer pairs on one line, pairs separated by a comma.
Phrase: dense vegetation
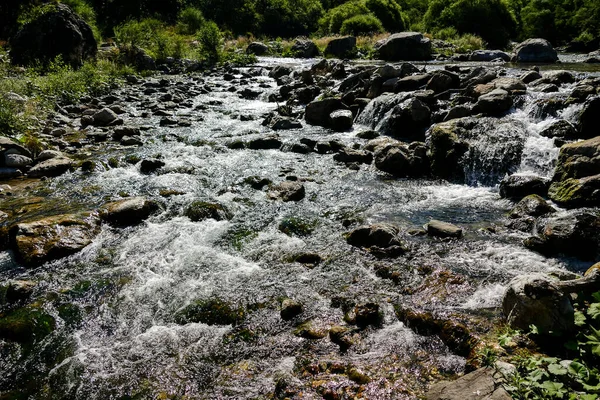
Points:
[[496, 21]]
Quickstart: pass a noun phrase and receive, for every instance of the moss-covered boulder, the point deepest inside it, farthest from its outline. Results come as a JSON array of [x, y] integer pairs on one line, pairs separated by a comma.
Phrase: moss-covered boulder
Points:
[[213, 311], [50, 238], [572, 192], [201, 210], [26, 325]]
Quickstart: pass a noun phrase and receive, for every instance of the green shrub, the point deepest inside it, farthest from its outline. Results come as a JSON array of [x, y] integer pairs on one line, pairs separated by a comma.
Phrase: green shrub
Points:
[[11, 123], [289, 18], [190, 21], [138, 33], [333, 20], [210, 39], [389, 13], [361, 25]]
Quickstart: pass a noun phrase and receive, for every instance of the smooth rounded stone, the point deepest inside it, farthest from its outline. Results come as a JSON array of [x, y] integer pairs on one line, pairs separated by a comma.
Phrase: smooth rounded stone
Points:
[[7, 144], [459, 111], [407, 46], [269, 142], [533, 206], [16, 161], [411, 83], [300, 148], [483, 383], [131, 141], [151, 165], [379, 235], [589, 119], [290, 309], [442, 81], [257, 48], [130, 211], [558, 77], [121, 131], [341, 120], [367, 314], [51, 238], [530, 76], [201, 210], [489, 55], [104, 117], [498, 101], [58, 132], [518, 186], [509, 84], [287, 191], [341, 47], [311, 330], [318, 112], [562, 129], [368, 134], [443, 229], [347, 155], [51, 167], [535, 51], [305, 48], [58, 32], [358, 376], [9, 173], [536, 300]]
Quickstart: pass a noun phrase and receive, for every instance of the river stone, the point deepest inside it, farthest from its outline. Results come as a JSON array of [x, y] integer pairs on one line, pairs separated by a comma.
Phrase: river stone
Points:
[[509, 84], [348, 155], [408, 120], [481, 384], [459, 111], [50, 238], [59, 32], [489, 55], [530, 76], [121, 131], [411, 83], [287, 191], [284, 123], [201, 210], [498, 101], [379, 235], [318, 112], [130, 211], [17, 291], [341, 120], [290, 309], [151, 165], [104, 117], [257, 48], [558, 77], [575, 162], [304, 48], [535, 51], [341, 47], [443, 229], [573, 192], [533, 206], [589, 119], [407, 46], [7, 144], [442, 81], [517, 186], [9, 173], [561, 129], [400, 160], [51, 167], [536, 300], [271, 142], [16, 161]]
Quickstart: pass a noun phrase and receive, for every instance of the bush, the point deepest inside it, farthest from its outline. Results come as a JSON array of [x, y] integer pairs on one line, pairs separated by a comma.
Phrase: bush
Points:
[[210, 37], [361, 25], [190, 21], [389, 13], [333, 20], [138, 33], [289, 18]]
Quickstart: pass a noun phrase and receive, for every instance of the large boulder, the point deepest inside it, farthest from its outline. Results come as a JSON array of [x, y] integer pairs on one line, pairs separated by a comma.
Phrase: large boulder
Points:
[[402, 160], [537, 300], [318, 112], [59, 32], [341, 47], [50, 238], [408, 46], [304, 48], [257, 48], [517, 186], [535, 51], [496, 102], [589, 119]]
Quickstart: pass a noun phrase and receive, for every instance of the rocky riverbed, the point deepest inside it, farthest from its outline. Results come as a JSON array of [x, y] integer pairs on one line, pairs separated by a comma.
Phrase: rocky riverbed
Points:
[[298, 228]]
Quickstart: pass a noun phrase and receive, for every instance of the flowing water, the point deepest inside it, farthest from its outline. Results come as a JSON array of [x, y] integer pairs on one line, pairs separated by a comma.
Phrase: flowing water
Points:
[[115, 301]]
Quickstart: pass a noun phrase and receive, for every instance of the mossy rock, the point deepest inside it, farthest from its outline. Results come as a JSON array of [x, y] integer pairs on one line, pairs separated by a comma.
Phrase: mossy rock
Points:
[[201, 210], [26, 325], [211, 312], [70, 313], [572, 192], [297, 226]]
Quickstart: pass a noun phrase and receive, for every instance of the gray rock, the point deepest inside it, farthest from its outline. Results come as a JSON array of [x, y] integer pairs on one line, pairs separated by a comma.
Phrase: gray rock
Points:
[[287, 191], [496, 102], [127, 212], [290, 309], [533, 206], [257, 48], [443, 229], [518, 186], [408, 46], [589, 119], [151, 165], [7, 144], [561, 129], [535, 51], [379, 235], [489, 55], [318, 112], [481, 384], [304, 48], [104, 117], [16, 161], [51, 167], [341, 47], [9, 173], [341, 120]]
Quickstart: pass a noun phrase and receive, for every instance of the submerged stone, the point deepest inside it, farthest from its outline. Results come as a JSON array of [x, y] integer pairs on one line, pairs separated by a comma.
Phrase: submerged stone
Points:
[[201, 210]]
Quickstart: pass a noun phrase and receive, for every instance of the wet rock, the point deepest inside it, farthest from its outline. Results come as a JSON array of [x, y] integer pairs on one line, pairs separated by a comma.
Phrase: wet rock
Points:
[[407, 46], [304, 48], [308, 259], [368, 134], [443, 229], [489, 55], [50, 238], [367, 314], [343, 47], [287, 191], [310, 330], [407, 120], [442, 81], [290, 309], [49, 154], [518, 186], [138, 57], [7, 145], [573, 193], [211, 312], [459, 111], [537, 300], [342, 336], [257, 48], [401, 160], [376, 235], [9, 173], [120, 132], [558, 77], [533, 206], [341, 120], [347, 155], [561, 129], [16, 161], [280, 71], [151, 165], [446, 150], [535, 51], [16, 291], [201, 210], [578, 160], [26, 325], [58, 32], [284, 123], [131, 141], [589, 119], [256, 182], [498, 101], [52, 167], [318, 112], [484, 383], [358, 376], [410, 83], [104, 117], [509, 84], [130, 211], [269, 142], [576, 234]]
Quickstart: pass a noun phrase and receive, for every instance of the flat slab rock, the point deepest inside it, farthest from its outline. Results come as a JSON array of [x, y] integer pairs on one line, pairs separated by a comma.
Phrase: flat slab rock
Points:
[[129, 211], [443, 229], [481, 384]]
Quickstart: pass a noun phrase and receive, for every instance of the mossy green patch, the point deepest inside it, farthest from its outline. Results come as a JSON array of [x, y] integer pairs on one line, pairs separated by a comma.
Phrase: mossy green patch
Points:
[[26, 325], [297, 226], [211, 312]]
